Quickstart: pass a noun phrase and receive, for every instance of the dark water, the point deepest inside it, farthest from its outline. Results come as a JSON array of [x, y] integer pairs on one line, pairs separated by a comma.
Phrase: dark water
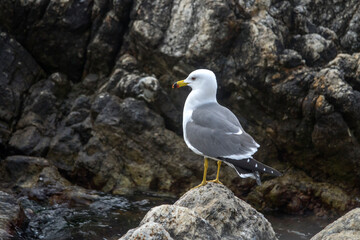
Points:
[[108, 217], [291, 227]]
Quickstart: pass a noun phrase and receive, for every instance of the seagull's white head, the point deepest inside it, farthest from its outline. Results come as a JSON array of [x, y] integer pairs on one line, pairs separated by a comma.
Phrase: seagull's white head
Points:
[[201, 79]]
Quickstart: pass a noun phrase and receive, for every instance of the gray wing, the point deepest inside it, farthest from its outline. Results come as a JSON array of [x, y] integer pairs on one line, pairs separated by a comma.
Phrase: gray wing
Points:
[[216, 132]]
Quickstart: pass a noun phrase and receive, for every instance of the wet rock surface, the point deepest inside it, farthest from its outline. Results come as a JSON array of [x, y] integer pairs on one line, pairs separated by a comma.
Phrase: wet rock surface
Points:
[[209, 212], [86, 98], [11, 215], [346, 227]]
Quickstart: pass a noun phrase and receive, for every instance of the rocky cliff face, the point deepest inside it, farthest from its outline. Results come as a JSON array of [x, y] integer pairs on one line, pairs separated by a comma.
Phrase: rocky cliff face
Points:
[[85, 85]]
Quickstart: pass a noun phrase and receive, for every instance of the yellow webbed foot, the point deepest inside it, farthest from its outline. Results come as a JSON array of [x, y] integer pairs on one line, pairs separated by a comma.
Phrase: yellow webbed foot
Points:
[[215, 181], [203, 183]]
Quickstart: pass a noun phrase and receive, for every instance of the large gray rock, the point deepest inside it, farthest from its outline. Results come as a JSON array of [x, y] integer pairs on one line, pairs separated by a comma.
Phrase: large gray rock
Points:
[[231, 217], [345, 228], [209, 212]]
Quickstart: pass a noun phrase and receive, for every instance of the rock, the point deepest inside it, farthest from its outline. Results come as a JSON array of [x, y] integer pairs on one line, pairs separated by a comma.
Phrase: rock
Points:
[[65, 39], [38, 121], [150, 230], [11, 215], [315, 49], [209, 212], [107, 32], [126, 81], [38, 179], [295, 192], [181, 222], [88, 149], [231, 217], [91, 39], [259, 33], [291, 58], [346, 227], [22, 171], [18, 71], [106, 118]]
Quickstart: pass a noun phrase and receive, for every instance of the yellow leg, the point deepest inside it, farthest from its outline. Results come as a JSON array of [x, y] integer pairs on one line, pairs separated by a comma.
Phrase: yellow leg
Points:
[[216, 180], [204, 182]]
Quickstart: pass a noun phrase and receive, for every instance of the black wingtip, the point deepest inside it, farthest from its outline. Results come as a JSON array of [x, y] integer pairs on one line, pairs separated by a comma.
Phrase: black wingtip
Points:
[[252, 165]]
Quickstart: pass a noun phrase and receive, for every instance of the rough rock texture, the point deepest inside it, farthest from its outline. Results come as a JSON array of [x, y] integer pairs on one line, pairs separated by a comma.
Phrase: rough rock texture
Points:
[[345, 228], [150, 230], [18, 72], [231, 217], [181, 222], [278, 67], [68, 35], [11, 215], [209, 212], [297, 193], [85, 85]]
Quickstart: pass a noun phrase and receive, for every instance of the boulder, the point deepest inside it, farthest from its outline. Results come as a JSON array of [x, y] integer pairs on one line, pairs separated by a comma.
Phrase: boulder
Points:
[[208, 212], [230, 216], [345, 228]]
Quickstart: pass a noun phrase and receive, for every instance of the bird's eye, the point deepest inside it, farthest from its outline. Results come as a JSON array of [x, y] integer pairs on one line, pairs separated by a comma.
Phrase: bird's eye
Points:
[[193, 78]]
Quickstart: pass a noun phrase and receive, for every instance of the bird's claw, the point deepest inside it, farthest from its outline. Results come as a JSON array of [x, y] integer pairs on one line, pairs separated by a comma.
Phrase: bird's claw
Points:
[[216, 181], [203, 183]]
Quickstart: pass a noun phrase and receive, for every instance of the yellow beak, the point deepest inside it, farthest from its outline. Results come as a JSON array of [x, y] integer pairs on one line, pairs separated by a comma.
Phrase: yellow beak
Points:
[[179, 84]]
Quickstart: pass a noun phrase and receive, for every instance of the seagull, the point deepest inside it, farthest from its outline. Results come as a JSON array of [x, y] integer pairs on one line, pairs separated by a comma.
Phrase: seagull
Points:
[[214, 132]]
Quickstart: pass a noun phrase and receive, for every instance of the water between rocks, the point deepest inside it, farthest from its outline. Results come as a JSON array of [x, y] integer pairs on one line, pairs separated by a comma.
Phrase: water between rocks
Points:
[[109, 217]]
